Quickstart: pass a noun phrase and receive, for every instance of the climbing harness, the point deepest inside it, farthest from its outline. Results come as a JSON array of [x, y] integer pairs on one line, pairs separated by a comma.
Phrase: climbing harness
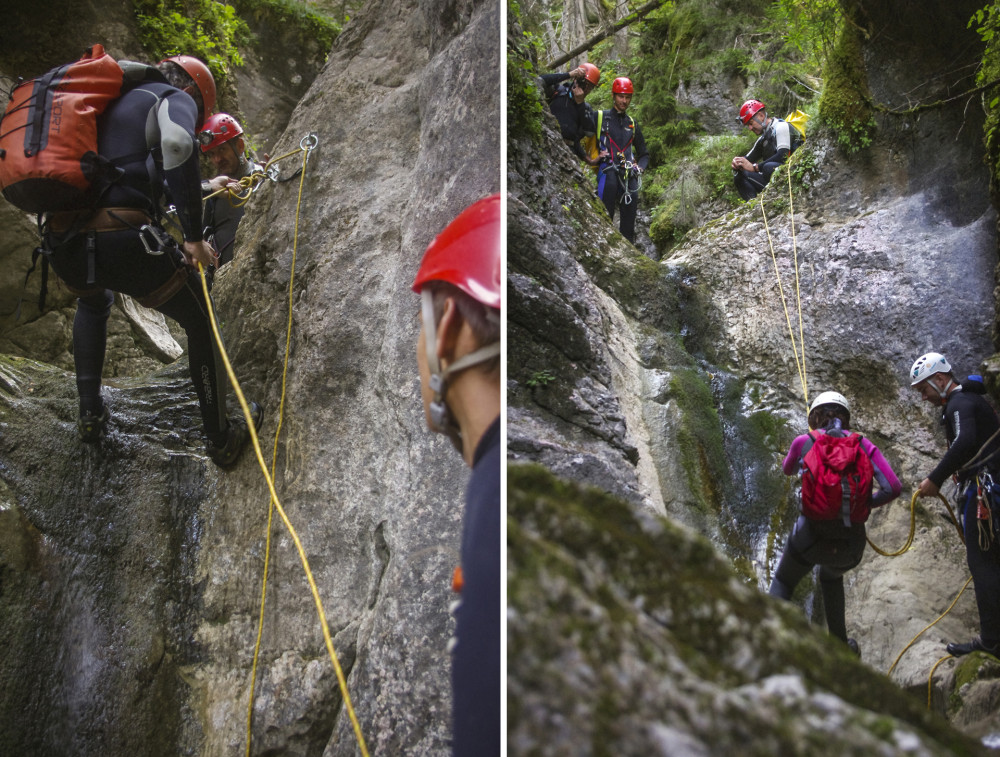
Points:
[[306, 146], [984, 510], [626, 171]]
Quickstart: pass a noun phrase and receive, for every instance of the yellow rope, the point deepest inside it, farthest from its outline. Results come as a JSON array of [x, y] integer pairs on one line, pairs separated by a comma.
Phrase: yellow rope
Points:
[[927, 628], [275, 503], [281, 511], [930, 681], [251, 182], [781, 290], [798, 295], [274, 456], [913, 527]]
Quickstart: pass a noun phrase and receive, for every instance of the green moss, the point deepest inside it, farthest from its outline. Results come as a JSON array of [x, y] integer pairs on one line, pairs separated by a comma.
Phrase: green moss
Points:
[[214, 31], [700, 438], [845, 105], [641, 286]]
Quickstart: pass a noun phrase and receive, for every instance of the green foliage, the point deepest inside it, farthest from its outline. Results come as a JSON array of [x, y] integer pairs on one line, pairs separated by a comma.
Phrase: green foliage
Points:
[[524, 107], [986, 20], [540, 378], [698, 173], [296, 13], [206, 29]]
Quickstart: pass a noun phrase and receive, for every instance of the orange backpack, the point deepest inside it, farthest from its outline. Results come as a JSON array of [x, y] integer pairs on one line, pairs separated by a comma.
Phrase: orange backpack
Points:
[[48, 135]]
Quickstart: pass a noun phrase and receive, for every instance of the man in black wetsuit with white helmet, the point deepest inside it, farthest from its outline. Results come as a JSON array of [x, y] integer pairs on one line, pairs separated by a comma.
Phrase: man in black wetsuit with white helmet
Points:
[[971, 426]]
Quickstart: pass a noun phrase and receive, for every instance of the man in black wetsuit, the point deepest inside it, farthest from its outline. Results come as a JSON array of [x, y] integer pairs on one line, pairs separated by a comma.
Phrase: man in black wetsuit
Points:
[[776, 140], [623, 158], [122, 248], [970, 426], [222, 142], [458, 356], [567, 93]]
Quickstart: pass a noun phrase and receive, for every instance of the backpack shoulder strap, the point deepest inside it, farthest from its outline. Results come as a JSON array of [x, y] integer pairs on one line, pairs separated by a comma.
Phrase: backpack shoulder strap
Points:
[[807, 446]]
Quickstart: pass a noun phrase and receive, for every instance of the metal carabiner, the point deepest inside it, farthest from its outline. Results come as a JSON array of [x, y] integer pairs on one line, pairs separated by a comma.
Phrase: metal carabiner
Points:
[[155, 234]]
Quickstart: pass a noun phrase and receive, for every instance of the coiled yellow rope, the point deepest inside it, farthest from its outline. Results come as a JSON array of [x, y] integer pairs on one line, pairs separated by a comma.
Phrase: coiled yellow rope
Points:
[[913, 527]]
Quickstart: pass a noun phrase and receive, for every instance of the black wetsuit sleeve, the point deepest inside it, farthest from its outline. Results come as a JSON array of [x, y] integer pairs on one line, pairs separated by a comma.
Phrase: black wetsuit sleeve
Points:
[[756, 153], [960, 422], [779, 142], [550, 80]]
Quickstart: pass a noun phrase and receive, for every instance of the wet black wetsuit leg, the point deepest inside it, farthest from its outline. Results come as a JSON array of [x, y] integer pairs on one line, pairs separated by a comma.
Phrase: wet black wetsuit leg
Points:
[[90, 337], [985, 569], [187, 307]]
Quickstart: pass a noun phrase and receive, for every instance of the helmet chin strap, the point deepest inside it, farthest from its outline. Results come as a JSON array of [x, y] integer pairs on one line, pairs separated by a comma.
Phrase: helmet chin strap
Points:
[[943, 393], [441, 420]]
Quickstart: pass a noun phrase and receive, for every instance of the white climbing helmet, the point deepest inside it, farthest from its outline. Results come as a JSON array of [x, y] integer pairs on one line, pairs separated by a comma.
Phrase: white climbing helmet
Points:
[[830, 398], [927, 365]]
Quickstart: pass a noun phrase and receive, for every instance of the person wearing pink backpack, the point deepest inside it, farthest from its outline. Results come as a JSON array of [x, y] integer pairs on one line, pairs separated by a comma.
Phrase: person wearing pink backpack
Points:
[[838, 469]]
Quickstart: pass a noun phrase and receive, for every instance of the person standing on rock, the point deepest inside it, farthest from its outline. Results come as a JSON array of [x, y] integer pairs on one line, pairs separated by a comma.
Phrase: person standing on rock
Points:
[[122, 247], [222, 142], [776, 140], [623, 158], [838, 544], [458, 358], [971, 428], [567, 93]]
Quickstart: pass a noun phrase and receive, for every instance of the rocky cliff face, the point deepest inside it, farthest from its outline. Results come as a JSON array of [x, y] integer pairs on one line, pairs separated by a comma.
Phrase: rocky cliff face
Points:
[[674, 386], [132, 570]]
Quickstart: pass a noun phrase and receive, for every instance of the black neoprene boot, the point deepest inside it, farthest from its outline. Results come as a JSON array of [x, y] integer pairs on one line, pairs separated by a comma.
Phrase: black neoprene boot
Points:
[[90, 426], [976, 645], [227, 453]]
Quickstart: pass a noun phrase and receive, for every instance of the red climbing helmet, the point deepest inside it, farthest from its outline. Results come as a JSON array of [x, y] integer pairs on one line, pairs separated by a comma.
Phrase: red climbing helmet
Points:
[[467, 253], [203, 79], [218, 130], [591, 73], [621, 86], [749, 110]]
